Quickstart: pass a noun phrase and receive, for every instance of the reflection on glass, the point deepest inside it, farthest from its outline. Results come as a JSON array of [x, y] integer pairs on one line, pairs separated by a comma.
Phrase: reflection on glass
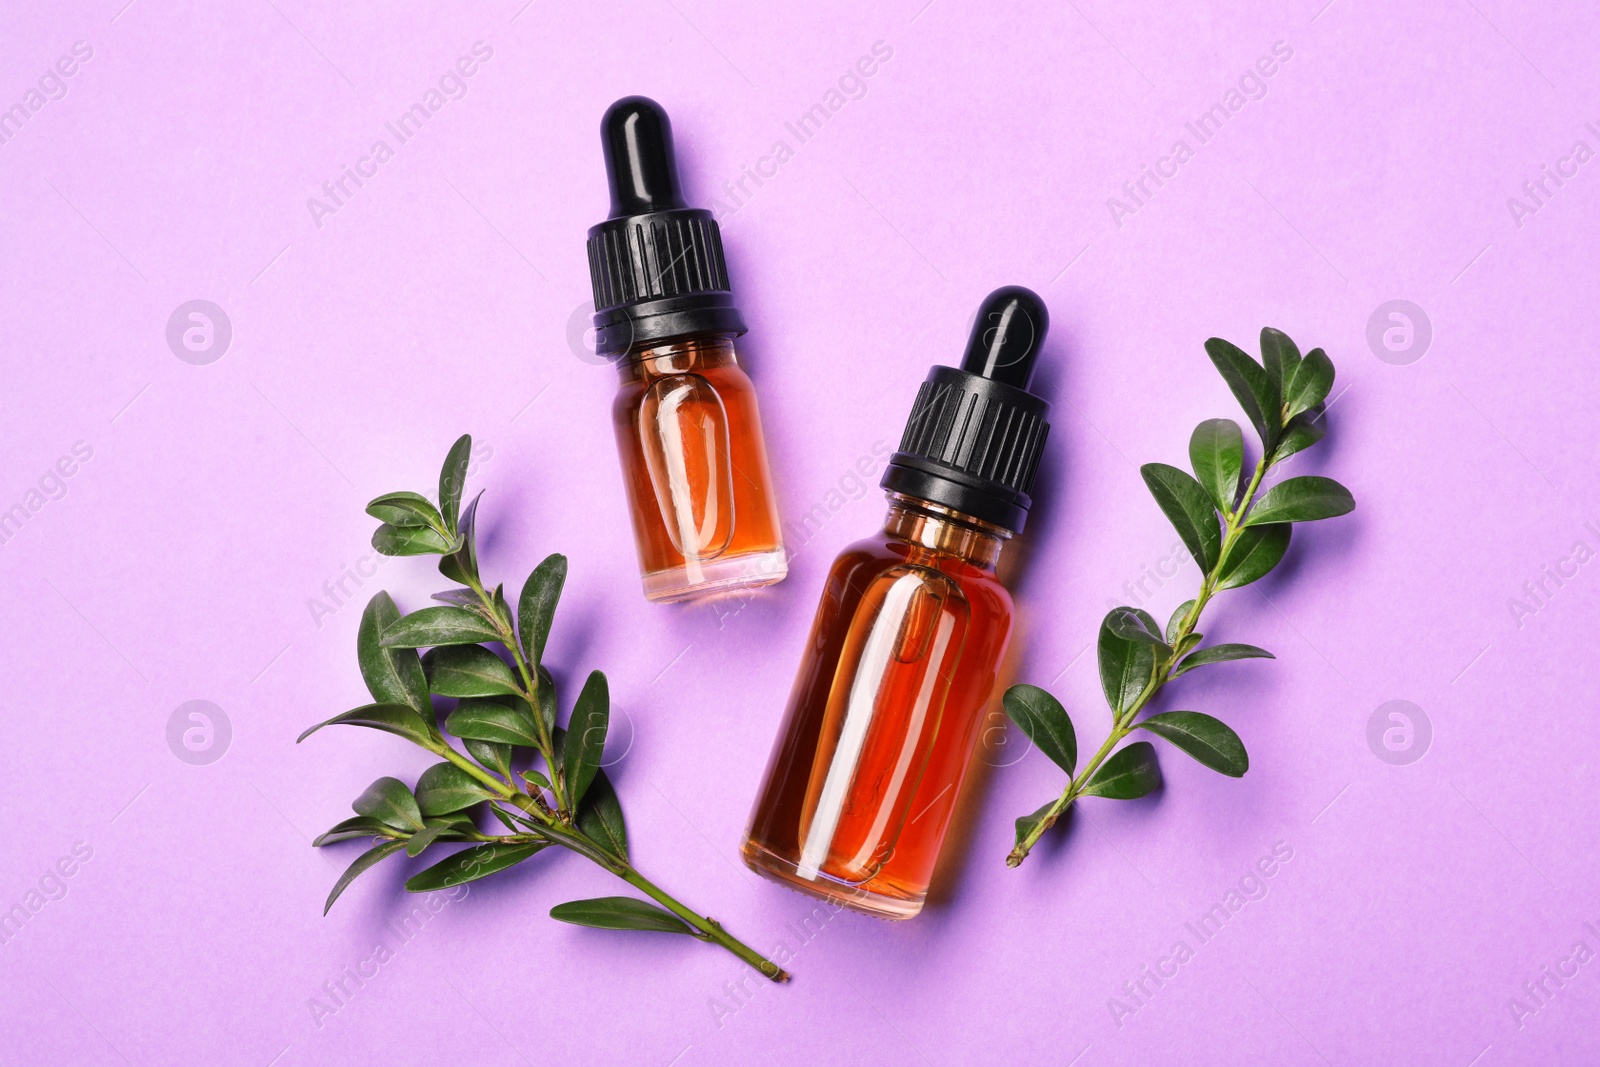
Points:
[[683, 428], [695, 469]]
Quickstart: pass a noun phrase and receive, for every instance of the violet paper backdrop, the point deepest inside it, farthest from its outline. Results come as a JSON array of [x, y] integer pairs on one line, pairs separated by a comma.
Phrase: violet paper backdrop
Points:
[[1432, 896]]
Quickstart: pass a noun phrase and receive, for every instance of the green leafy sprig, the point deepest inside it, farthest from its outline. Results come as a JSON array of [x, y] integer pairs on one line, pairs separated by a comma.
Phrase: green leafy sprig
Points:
[[1236, 537], [505, 718]]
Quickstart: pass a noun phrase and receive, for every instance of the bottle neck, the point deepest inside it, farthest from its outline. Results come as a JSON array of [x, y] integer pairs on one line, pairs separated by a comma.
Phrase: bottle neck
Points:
[[942, 529], [679, 356]]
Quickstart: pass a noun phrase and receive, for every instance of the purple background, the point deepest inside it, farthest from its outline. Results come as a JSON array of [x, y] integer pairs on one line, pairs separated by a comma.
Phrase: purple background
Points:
[[184, 560]]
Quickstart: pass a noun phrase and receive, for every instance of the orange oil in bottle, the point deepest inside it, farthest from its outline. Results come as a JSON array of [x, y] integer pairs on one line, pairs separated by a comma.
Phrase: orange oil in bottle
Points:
[[694, 466], [885, 712]]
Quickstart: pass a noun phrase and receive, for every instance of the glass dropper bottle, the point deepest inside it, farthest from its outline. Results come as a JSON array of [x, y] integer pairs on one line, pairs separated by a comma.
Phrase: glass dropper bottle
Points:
[[688, 432], [908, 641]]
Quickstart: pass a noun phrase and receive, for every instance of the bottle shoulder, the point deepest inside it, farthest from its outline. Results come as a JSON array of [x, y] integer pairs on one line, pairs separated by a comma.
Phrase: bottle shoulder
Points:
[[725, 380], [868, 557]]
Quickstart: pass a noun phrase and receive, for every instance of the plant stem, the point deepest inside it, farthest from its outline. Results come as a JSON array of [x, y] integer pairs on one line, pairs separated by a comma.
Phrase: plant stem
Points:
[[559, 831], [448, 752], [1160, 674], [530, 693], [705, 927], [709, 929]]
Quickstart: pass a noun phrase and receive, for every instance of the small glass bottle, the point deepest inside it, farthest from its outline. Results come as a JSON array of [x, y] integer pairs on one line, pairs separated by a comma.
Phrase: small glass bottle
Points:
[[907, 644], [694, 462]]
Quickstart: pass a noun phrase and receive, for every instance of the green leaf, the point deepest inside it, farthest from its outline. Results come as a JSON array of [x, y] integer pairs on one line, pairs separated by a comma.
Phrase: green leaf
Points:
[[405, 509], [1206, 739], [1221, 654], [363, 862], [600, 816], [1216, 452], [1177, 620], [1129, 774], [1313, 380], [393, 675], [408, 541], [502, 610], [1188, 643], [391, 718], [1256, 551], [389, 800], [1303, 431], [1045, 722], [488, 720], [1188, 508], [359, 826], [547, 700], [1279, 356], [536, 607], [619, 913], [538, 780], [453, 478], [494, 755], [467, 671], [1252, 387], [586, 735], [1026, 823], [1224, 653], [1135, 625], [1148, 621], [470, 864], [1302, 499], [432, 627], [517, 701], [445, 788], [1125, 666], [462, 564], [425, 837], [461, 598]]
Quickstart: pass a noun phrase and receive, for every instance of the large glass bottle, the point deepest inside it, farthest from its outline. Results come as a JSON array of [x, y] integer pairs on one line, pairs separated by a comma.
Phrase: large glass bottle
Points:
[[694, 462], [909, 638]]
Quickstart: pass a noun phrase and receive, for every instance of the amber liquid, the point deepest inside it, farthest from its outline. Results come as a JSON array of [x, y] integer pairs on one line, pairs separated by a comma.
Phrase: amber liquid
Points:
[[884, 714], [695, 468]]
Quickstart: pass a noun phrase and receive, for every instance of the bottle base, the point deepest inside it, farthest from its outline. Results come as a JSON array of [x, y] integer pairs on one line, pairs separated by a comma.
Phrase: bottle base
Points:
[[696, 580], [880, 905]]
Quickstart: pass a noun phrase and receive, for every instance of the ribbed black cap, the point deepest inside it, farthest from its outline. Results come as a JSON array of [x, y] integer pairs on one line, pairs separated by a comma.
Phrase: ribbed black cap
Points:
[[975, 434], [656, 264]]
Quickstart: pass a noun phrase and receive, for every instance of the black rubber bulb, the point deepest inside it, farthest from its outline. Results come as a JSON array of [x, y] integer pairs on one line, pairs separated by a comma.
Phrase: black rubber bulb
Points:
[[1007, 336], [640, 164]]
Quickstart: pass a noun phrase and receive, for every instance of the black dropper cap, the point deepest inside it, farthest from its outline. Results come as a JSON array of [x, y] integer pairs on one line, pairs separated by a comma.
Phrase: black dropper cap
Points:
[[974, 438], [656, 264]]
